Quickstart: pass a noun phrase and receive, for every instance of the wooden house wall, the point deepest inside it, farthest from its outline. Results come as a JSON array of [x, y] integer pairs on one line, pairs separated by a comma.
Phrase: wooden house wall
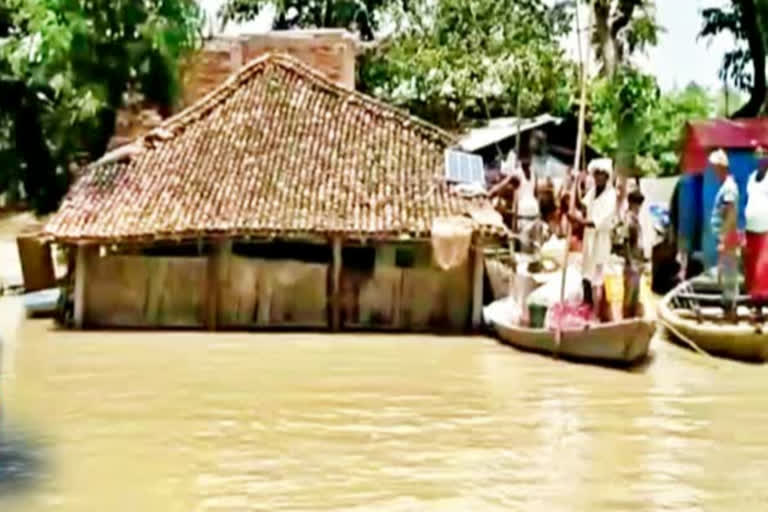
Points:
[[251, 292], [139, 291], [255, 292], [420, 297]]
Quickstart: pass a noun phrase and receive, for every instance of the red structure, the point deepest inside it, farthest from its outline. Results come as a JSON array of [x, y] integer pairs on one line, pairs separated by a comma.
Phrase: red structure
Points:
[[701, 137]]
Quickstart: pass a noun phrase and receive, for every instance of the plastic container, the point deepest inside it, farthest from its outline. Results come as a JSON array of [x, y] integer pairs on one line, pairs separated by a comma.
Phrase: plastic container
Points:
[[536, 316]]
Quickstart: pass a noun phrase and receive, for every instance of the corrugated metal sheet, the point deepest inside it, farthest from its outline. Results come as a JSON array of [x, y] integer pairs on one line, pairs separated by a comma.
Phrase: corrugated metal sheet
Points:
[[503, 128]]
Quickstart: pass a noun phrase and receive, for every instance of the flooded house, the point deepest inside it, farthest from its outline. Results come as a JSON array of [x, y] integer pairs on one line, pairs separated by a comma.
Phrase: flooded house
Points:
[[280, 199]]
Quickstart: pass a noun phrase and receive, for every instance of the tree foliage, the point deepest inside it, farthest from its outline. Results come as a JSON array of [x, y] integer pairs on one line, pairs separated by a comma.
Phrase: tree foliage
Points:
[[456, 61], [658, 119], [745, 65], [362, 16], [67, 66]]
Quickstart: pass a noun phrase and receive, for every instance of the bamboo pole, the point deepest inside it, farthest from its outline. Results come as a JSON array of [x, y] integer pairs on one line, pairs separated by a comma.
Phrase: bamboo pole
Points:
[[584, 64], [477, 286], [518, 160], [512, 262]]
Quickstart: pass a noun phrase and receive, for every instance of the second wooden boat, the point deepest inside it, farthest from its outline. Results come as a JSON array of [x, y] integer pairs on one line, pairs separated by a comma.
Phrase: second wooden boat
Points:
[[692, 314], [42, 303]]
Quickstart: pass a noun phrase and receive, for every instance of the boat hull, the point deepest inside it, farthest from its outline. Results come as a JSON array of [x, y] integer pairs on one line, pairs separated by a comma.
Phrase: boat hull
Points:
[[42, 303], [622, 343], [742, 341]]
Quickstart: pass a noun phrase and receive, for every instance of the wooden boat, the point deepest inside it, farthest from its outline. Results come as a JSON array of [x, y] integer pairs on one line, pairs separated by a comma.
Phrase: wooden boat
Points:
[[692, 314], [621, 343], [42, 303]]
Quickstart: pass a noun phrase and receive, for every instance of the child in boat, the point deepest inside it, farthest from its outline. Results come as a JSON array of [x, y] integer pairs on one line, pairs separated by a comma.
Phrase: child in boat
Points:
[[634, 259]]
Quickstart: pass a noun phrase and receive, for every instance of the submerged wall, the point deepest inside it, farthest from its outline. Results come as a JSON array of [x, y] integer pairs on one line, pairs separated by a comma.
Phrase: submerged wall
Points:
[[140, 291], [413, 295], [261, 293], [398, 289]]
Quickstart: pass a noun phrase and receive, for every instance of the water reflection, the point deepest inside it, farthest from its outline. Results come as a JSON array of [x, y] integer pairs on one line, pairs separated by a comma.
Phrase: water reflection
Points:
[[348, 423], [21, 463]]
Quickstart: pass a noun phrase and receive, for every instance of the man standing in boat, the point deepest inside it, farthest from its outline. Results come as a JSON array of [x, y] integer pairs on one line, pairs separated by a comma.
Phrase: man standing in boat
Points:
[[601, 209], [756, 249], [724, 224]]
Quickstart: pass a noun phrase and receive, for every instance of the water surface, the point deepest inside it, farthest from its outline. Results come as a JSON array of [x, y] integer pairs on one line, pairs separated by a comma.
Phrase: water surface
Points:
[[188, 421]]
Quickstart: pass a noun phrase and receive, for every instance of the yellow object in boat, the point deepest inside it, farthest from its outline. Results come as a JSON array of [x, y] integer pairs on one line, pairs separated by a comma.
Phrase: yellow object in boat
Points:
[[614, 288]]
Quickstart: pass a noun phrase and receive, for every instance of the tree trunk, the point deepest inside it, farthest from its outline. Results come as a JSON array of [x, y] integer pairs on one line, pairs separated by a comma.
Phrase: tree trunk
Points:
[[39, 177], [610, 18], [751, 27], [601, 37]]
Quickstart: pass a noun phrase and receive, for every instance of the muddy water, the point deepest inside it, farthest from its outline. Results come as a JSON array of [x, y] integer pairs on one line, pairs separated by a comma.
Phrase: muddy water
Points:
[[230, 422]]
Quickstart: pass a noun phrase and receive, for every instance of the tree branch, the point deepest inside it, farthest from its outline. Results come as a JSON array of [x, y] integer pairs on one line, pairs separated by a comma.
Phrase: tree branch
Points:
[[751, 28], [624, 13]]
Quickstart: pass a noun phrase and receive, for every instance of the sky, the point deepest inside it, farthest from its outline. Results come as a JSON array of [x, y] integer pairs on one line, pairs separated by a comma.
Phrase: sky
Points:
[[680, 58]]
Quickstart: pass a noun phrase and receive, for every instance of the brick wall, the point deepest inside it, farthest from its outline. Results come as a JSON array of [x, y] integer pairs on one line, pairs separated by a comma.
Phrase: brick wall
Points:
[[208, 68], [330, 51]]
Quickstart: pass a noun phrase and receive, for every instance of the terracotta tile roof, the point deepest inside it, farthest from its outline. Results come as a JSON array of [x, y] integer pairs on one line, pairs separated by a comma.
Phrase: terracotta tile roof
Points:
[[278, 149]]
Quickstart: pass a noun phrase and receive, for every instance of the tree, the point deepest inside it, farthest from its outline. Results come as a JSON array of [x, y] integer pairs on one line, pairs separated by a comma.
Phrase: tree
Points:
[[67, 66], [361, 16], [660, 119], [747, 22], [729, 101], [455, 62], [621, 28]]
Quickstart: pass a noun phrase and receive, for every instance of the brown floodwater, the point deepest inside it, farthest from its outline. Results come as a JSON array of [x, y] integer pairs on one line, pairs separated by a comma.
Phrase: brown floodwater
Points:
[[188, 421]]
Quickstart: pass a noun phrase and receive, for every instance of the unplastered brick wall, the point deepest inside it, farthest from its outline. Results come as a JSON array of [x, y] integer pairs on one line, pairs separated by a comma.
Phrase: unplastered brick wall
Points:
[[330, 51]]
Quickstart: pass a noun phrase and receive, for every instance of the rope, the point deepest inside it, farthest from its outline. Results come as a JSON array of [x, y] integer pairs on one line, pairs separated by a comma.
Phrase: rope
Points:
[[686, 340]]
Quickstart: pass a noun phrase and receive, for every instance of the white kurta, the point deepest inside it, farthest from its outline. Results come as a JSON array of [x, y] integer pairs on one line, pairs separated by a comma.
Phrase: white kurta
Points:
[[757, 204], [601, 211]]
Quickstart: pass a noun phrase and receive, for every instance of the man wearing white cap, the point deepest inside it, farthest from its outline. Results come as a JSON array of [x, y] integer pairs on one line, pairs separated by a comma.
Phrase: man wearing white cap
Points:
[[724, 224], [601, 209]]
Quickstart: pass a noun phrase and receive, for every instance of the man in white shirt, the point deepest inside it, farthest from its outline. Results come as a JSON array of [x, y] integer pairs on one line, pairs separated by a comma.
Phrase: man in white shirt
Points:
[[756, 250], [601, 209]]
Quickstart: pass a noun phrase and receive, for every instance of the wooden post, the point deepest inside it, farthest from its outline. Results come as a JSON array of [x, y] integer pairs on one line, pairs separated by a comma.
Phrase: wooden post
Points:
[[264, 313], [216, 269], [477, 286], [336, 285], [211, 290], [80, 269]]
